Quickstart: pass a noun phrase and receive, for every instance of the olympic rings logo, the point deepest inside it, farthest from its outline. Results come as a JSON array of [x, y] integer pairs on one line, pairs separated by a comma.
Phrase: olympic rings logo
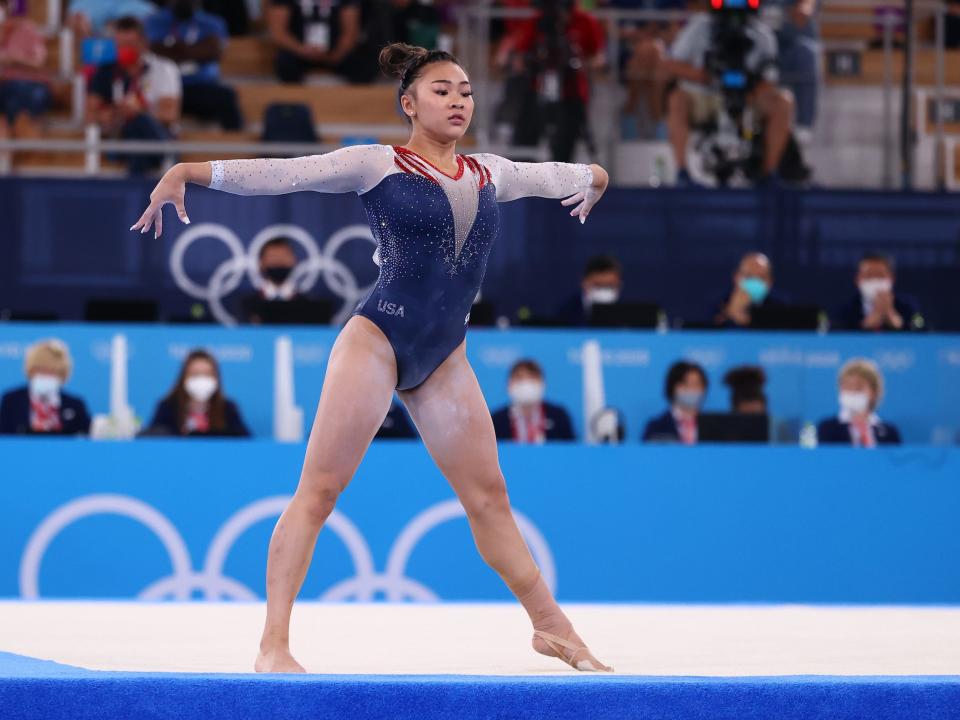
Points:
[[243, 263], [214, 585]]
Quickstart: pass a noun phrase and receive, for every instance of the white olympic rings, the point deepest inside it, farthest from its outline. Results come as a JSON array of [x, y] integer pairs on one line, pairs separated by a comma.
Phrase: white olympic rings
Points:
[[243, 263], [214, 585]]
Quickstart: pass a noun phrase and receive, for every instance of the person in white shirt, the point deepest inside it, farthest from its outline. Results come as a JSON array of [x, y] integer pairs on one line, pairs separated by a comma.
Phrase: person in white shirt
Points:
[[695, 101], [138, 96]]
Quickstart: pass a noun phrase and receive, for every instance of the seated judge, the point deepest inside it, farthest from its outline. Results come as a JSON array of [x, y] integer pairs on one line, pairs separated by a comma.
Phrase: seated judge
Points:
[[752, 288], [41, 407], [529, 418], [876, 306], [197, 405], [276, 263], [685, 390], [857, 424]]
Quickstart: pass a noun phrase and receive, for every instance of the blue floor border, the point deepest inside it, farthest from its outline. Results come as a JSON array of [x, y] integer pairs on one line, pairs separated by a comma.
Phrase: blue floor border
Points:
[[33, 689]]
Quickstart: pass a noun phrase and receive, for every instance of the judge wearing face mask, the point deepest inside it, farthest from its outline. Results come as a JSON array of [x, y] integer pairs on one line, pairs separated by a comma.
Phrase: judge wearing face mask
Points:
[[857, 424], [277, 261], [601, 284], [685, 389], [529, 418], [875, 306], [42, 407], [197, 406], [752, 285]]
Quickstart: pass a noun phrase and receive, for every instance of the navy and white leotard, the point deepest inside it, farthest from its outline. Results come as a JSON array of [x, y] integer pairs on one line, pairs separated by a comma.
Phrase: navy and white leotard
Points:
[[434, 231]]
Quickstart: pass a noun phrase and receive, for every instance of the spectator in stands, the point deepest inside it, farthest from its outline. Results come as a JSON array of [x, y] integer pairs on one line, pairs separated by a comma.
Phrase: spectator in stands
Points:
[[93, 17], [746, 384], [276, 263], [396, 425], [197, 405], [195, 40], [752, 285], [529, 418], [320, 34], [694, 101], [138, 96], [875, 306], [602, 283], [549, 57], [685, 389], [24, 85], [644, 48], [861, 389], [42, 407], [798, 56]]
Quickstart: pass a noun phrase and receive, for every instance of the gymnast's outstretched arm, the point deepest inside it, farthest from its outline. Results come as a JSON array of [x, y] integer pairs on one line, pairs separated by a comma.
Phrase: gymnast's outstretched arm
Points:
[[351, 169], [581, 185]]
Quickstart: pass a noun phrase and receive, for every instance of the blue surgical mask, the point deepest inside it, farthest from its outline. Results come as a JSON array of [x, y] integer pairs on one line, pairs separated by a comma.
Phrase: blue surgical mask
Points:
[[688, 399], [756, 288]]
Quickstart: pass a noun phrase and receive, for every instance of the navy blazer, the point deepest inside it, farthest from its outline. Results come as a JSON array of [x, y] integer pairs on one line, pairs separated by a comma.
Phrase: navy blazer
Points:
[[850, 316], [558, 425], [832, 431], [662, 428], [15, 414], [165, 421]]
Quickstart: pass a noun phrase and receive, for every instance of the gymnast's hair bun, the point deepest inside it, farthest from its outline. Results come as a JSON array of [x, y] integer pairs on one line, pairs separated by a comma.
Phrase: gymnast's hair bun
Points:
[[397, 58]]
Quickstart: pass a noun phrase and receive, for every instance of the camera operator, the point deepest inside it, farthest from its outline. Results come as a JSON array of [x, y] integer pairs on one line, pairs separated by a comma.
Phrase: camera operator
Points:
[[547, 57], [726, 61]]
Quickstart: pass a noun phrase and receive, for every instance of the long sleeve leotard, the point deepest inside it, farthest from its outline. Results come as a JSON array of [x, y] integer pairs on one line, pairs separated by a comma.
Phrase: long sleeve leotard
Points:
[[434, 231]]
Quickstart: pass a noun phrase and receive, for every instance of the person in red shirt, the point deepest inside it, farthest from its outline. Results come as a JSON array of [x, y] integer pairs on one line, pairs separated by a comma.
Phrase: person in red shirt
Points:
[[549, 56]]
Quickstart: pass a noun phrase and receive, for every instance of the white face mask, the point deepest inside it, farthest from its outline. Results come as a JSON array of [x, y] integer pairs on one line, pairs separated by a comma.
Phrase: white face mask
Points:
[[200, 387], [602, 296], [855, 403], [525, 392], [45, 386], [869, 289]]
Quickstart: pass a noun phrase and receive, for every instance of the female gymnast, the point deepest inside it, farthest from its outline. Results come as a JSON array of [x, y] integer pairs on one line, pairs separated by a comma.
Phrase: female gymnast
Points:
[[434, 215]]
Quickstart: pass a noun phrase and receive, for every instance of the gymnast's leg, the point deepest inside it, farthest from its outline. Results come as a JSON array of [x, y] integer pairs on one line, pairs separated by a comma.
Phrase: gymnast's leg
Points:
[[357, 392], [453, 419]]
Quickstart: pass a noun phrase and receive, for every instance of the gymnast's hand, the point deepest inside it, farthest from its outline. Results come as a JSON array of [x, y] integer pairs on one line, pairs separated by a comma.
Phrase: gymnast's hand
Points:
[[589, 197], [170, 190]]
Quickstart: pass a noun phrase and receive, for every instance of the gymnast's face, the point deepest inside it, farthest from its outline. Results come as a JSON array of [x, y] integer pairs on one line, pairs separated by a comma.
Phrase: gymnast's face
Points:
[[440, 101]]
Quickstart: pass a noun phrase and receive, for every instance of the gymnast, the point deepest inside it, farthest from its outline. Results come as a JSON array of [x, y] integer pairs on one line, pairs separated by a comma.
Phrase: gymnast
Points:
[[434, 216]]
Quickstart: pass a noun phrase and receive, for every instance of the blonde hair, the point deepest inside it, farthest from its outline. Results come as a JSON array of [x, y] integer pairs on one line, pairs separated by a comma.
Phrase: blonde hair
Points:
[[868, 371], [50, 353]]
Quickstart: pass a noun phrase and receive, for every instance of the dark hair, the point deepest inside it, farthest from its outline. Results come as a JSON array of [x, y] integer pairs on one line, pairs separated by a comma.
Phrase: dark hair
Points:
[[406, 63], [526, 364], [746, 384], [602, 263], [180, 399], [880, 258], [129, 23], [276, 242], [677, 372]]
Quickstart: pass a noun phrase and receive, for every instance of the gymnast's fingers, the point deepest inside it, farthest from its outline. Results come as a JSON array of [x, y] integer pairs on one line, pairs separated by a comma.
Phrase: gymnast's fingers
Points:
[[158, 227], [572, 199], [181, 210], [143, 218]]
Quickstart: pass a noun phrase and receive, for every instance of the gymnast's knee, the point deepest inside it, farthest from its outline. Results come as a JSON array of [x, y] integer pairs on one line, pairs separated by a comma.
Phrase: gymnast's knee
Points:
[[317, 502], [487, 498]]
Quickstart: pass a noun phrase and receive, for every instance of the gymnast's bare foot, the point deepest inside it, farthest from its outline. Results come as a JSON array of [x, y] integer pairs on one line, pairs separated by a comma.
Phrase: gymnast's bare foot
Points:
[[564, 643], [277, 661]]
